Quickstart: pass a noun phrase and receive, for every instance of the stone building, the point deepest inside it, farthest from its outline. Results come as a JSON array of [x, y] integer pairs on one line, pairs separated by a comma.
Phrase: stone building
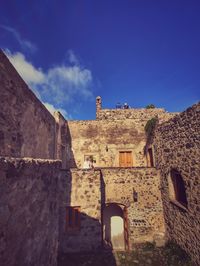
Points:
[[93, 184]]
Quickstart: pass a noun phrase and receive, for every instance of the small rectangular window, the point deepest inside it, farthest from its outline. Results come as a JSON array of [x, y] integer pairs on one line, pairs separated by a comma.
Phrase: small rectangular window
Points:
[[177, 191], [72, 218], [125, 159]]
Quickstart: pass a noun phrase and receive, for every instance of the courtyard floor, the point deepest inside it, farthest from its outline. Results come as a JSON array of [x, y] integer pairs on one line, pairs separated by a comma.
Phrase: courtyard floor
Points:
[[145, 255]]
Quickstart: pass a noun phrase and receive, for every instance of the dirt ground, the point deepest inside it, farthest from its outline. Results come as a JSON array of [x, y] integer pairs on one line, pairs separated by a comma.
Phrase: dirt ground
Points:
[[143, 255]]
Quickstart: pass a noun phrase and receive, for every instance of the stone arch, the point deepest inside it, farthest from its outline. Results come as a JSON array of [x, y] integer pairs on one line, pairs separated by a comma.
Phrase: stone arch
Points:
[[114, 226]]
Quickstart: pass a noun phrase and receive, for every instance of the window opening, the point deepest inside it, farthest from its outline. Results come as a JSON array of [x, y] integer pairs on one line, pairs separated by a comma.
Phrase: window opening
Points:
[[72, 218], [179, 188]]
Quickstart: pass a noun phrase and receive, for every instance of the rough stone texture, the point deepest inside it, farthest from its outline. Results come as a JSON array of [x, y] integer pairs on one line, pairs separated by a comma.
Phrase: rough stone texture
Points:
[[141, 115], [62, 143], [81, 188], [29, 204], [177, 145], [92, 189], [93, 137], [114, 130], [27, 129], [29, 188], [145, 217]]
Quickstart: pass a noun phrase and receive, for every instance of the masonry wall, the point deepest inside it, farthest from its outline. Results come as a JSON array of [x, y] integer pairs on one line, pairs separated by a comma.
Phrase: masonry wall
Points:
[[29, 204], [92, 189], [140, 115], [114, 130], [105, 139], [27, 129], [177, 145], [81, 188], [145, 216]]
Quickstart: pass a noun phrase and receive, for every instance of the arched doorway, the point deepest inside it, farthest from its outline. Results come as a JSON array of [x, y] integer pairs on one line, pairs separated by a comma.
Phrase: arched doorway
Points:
[[113, 226]]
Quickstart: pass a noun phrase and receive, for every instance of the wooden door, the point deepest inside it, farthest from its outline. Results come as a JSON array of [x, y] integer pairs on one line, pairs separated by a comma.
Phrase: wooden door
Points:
[[126, 235], [125, 159], [150, 157]]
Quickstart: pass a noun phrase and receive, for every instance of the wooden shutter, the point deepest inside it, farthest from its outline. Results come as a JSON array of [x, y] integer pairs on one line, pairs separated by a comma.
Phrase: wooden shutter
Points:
[[128, 159], [125, 159], [121, 159]]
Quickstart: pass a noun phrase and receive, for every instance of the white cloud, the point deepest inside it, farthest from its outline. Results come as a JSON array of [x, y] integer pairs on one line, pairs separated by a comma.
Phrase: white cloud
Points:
[[60, 84], [73, 58], [67, 81], [29, 73], [25, 44], [51, 108]]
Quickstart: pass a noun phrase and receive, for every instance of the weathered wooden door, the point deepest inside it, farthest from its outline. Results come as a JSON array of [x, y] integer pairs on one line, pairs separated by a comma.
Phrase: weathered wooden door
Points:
[[125, 159], [126, 235], [150, 158]]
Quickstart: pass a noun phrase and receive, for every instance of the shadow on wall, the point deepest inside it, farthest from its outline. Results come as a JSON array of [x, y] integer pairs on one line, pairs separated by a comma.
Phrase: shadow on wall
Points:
[[100, 258], [84, 245], [70, 159], [80, 235], [29, 209]]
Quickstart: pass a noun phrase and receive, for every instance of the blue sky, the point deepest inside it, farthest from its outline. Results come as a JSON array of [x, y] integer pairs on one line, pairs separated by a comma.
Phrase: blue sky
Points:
[[70, 51]]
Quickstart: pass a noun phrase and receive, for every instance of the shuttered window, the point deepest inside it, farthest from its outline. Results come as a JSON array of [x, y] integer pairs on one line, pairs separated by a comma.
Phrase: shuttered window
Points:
[[125, 159]]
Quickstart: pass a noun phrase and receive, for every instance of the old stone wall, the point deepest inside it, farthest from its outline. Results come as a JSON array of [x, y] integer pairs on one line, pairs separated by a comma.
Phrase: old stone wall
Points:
[[27, 129], [62, 140], [177, 146], [91, 190], [105, 139], [81, 188], [114, 131], [29, 205], [141, 115], [145, 213]]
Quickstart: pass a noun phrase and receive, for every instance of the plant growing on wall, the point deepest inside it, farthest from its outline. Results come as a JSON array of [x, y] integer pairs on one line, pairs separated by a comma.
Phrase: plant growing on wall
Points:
[[150, 125], [150, 106], [149, 129]]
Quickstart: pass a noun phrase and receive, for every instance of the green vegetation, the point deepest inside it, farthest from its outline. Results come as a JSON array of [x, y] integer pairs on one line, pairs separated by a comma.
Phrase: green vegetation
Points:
[[150, 126], [149, 129], [150, 106]]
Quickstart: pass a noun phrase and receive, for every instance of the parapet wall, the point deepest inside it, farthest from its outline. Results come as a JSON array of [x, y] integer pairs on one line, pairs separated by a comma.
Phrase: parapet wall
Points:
[[27, 129], [142, 115], [177, 146], [29, 204]]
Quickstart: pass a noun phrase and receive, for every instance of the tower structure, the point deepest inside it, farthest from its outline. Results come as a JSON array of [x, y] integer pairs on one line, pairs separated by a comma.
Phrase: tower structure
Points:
[[98, 105]]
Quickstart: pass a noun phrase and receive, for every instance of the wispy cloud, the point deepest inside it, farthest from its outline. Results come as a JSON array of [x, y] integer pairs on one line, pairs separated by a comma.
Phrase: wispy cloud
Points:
[[25, 44], [73, 58], [52, 109], [59, 85]]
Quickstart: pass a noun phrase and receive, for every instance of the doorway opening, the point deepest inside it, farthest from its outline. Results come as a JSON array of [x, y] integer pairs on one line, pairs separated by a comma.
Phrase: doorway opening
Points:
[[115, 230], [150, 159]]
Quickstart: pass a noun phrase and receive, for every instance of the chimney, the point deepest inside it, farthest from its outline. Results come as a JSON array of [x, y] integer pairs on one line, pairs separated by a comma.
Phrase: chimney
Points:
[[98, 105]]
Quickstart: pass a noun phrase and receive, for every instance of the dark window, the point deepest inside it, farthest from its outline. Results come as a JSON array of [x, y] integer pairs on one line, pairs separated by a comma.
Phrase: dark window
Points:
[[135, 196], [72, 218], [150, 157], [179, 187]]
